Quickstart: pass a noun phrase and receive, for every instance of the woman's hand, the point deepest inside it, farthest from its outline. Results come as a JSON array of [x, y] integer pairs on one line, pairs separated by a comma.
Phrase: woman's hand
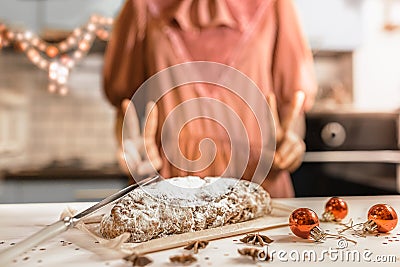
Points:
[[290, 147], [137, 154]]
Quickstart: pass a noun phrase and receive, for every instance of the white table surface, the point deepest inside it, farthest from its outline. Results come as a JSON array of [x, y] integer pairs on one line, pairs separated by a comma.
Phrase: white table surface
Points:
[[18, 221]]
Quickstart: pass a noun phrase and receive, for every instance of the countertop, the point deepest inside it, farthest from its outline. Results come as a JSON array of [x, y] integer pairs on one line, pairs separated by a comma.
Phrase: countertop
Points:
[[18, 221]]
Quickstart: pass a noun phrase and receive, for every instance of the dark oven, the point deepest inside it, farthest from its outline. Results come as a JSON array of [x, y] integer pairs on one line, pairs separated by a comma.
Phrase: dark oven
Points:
[[350, 153]]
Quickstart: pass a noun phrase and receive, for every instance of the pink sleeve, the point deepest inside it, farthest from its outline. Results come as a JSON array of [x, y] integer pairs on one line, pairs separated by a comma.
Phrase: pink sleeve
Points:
[[123, 70], [293, 67]]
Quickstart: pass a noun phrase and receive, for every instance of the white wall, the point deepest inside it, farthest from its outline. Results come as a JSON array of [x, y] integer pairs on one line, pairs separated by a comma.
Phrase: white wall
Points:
[[377, 62], [72, 13], [331, 24], [357, 25], [59, 14], [19, 13]]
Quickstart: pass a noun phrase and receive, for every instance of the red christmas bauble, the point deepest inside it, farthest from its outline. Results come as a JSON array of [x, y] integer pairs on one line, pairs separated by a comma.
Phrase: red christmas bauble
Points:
[[302, 221], [384, 216], [336, 208]]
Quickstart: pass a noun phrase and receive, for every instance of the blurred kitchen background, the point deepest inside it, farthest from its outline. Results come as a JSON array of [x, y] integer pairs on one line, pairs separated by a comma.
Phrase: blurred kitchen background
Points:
[[56, 148]]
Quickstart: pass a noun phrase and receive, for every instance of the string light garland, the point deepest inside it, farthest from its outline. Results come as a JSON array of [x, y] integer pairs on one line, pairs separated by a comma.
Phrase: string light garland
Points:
[[3, 33], [58, 59]]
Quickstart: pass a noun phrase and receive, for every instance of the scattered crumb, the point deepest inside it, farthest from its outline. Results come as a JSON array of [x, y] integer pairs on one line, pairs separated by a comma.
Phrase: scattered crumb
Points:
[[1, 242], [42, 249], [39, 261], [76, 248], [12, 244], [385, 243], [25, 259], [206, 258], [96, 242]]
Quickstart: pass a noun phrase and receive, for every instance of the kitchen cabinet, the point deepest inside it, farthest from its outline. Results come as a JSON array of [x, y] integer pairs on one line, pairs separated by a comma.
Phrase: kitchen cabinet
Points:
[[331, 25], [39, 189], [61, 181], [13, 125]]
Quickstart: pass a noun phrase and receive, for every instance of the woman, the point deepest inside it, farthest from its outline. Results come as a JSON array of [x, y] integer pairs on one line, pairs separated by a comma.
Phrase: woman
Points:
[[260, 38]]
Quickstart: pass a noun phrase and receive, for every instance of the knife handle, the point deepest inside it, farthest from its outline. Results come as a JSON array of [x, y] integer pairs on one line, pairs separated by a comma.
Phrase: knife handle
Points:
[[48, 232]]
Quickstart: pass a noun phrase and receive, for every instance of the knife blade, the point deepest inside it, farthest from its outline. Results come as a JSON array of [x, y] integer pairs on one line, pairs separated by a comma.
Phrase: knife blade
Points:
[[66, 223]]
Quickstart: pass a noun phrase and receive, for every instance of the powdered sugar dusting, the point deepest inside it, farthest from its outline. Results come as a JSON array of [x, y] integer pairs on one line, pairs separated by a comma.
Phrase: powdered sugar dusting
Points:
[[185, 204], [191, 190]]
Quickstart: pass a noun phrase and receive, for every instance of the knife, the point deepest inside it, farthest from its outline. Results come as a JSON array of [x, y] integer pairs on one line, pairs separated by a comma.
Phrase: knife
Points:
[[66, 223]]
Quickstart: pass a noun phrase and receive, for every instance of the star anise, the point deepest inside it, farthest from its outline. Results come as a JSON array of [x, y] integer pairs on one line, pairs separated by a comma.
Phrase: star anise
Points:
[[196, 245], [256, 239], [254, 253], [138, 260], [183, 258]]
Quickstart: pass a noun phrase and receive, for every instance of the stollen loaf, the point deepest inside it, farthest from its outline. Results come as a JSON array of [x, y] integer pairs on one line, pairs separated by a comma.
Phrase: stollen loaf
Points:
[[184, 204]]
